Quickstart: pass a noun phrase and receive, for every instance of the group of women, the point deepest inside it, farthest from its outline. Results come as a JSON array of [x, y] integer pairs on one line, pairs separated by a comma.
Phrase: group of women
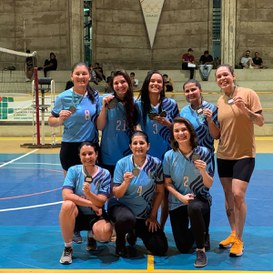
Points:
[[151, 156]]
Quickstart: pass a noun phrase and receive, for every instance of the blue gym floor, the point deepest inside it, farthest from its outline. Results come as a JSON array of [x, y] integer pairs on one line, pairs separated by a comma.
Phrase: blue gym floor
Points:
[[31, 241]]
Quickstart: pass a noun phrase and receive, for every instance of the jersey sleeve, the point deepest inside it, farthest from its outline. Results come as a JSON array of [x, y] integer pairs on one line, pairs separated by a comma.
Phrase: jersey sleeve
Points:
[[118, 173], [70, 179], [57, 107], [166, 165]]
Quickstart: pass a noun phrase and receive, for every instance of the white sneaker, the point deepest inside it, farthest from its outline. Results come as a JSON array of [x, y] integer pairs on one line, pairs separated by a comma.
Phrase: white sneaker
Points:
[[67, 256]]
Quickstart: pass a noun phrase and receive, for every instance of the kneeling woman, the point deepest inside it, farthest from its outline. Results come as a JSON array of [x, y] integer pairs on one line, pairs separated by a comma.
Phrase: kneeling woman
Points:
[[85, 190], [138, 191], [188, 177]]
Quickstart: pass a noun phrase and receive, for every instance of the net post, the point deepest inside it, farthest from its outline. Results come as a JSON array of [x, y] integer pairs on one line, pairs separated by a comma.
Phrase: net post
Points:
[[36, 86]]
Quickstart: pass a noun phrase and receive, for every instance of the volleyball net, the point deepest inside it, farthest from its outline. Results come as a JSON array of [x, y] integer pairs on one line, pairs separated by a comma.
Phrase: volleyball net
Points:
[[19, 79]]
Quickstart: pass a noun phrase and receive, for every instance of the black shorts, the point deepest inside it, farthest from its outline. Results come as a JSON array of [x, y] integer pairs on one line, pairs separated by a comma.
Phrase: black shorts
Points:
[[241, 169], [86, 222], [69, 154]]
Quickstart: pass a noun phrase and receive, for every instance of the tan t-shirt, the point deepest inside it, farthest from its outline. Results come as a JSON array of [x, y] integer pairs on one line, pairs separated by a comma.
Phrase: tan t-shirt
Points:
[[237, 130]]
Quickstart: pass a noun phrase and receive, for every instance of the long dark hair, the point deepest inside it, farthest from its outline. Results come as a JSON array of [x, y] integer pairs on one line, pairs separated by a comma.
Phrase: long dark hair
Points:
[[89, 89], [129, 97], [144, 93], [193, 136]]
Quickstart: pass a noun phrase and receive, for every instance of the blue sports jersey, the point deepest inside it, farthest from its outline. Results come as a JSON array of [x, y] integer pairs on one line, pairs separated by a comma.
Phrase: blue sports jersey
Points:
[[115, 136], [80, 126], [100, 184], [158, 135], [200, 123], [140, 192], [186, 178]]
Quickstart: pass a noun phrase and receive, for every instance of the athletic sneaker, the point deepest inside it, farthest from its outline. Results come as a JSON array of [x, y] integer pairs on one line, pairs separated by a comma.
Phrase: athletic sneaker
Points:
[[67, 256], [229, 241], [91, 244], [201, 259], [77, 238], [237, 248]]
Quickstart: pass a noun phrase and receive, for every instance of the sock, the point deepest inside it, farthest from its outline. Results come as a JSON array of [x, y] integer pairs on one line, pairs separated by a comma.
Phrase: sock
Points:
[[68, 244]]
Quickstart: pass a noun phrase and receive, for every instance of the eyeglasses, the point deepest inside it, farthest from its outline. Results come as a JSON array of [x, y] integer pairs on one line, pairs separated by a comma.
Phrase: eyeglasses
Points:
[[152, 116]]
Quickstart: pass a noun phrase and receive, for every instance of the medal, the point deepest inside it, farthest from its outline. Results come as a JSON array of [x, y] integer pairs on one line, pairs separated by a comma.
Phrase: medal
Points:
[[72, 109], [163, 114], [199, 111], [195, 157], [230, 101], [113, 103], [135, 171], [88, 179], [75, 103], [152, 116]]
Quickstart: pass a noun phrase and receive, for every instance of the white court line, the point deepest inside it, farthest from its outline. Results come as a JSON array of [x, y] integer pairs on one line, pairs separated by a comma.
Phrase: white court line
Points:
[[22, 156], [32, 207], [38, 163]]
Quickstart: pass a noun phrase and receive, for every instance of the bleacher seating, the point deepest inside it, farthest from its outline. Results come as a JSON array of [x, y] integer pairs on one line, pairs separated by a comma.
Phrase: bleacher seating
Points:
[[261, 80]]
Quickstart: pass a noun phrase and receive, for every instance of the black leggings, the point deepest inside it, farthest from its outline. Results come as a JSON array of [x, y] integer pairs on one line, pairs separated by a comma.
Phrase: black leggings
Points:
[[197, 214], [185, 67], [125, 222]]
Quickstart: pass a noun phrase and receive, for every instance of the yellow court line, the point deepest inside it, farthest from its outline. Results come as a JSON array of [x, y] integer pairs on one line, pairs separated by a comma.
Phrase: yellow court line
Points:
[[264, 137], [150, 263]]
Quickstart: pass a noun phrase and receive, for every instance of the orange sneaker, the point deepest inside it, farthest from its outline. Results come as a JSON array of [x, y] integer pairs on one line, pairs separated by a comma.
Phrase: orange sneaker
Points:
[[229, 241], [237, 248]]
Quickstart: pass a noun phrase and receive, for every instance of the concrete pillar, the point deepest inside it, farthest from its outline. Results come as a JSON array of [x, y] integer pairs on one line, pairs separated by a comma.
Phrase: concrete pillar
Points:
[[228, 28], [76, 31]]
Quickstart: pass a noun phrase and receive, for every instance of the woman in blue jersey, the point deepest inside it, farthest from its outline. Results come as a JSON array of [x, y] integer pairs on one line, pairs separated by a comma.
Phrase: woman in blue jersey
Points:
[[86, 188], [116, 120], [202, 115], [138, 190], [188, 176], [76, 109], [156, 113]]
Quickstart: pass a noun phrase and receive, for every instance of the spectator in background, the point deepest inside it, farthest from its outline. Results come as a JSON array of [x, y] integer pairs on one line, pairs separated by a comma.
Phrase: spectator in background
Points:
[[50, 64], [108, 88], [29, 67], [188, 62], [246, 60], [93, 74], [168, 83], [206, 65], [99, 73], [134, 80], [257, 61]]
